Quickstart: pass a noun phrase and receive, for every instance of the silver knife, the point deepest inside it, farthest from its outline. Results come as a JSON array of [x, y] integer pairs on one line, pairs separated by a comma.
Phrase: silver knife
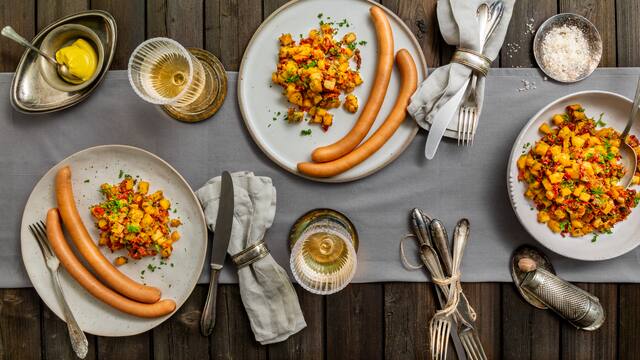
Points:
[[221, 237], [441, 121]]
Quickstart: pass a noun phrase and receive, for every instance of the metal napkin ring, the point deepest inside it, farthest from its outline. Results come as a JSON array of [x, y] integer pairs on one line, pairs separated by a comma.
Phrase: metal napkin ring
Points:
[[472, 59], [251, 254]]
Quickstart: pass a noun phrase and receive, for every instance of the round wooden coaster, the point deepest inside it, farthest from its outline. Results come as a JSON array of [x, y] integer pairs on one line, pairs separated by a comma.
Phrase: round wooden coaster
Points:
[[215, 69]]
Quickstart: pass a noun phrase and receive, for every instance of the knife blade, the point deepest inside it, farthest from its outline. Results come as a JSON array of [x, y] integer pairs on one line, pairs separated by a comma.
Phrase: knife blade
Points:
[[221, 237], [441, 121]]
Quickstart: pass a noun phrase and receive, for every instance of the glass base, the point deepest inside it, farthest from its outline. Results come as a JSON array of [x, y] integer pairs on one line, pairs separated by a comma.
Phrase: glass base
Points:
[[315, 215], [206, 108]]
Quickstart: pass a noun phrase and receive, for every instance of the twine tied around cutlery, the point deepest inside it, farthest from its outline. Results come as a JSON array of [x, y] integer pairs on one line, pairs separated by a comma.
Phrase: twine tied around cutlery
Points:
[[454, 291]]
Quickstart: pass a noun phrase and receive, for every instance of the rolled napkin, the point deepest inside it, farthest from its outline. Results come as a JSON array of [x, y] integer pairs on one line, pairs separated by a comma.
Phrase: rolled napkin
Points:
[[266, 291], [458, 26]]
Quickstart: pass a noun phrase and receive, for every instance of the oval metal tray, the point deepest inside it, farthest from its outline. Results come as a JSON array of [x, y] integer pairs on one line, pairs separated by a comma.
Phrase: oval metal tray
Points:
[[30, 93]]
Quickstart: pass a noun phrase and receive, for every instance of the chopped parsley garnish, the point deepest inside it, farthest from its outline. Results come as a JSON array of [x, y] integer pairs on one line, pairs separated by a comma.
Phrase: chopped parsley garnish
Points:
[[133, 229], [636, 201], [293, 78], [600, 122], [152, 267], [352, 46], [565, 226], [320, 16], [597, 191], [306, 132], [120, 174], [362, 43], [310, 64], [594, 238], [343, 23]]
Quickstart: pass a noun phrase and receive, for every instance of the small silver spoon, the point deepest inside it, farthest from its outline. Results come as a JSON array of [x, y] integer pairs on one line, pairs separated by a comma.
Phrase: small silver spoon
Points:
[[628, 155], [62, 69]]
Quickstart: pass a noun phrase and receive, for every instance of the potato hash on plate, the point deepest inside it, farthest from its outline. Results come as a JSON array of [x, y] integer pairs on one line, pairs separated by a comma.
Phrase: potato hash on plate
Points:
[[315, 71], [572, 175], [131, 218]]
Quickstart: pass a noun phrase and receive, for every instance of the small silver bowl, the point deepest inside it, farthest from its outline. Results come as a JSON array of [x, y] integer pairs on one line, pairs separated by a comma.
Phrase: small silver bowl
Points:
[[60, 37], [589, 31]]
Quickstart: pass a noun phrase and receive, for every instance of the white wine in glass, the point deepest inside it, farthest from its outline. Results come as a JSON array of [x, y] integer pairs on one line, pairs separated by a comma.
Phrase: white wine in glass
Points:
[[323, 256], [163, 72]]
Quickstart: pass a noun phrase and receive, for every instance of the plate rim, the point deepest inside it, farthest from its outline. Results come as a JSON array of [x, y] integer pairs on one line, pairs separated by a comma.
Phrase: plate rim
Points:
[[511, 181], [147, 153], [410, 138]]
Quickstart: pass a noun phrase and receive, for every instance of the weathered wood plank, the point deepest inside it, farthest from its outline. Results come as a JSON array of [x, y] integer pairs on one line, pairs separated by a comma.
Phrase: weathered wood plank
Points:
[[355, 324], [600, 344], [602, 13], [179, 20], [269, 6], [229, 27], [55, 338], [20, 324], [517, 50], [627, 28], [232, 337], [485, 298], [629, 321], [21, 16], [129, 15], [129, 347], [308, 343], [408, 307], [420, 17], [52, 10], [179, 337], [527, 332]]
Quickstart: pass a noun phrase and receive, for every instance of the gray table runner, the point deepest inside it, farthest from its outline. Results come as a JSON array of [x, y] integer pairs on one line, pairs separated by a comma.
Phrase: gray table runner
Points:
[[459, 182]]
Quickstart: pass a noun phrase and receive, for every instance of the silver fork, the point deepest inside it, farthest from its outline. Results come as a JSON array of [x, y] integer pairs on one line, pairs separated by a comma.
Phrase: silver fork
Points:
[[488, 18], [79, 341]]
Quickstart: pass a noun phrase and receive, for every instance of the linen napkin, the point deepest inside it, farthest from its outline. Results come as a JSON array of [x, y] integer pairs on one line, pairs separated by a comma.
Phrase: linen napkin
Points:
[[458, 26], [266, 291]]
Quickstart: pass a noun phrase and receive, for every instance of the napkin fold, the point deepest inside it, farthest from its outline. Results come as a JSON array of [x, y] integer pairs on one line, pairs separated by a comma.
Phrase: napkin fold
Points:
[[266, 291], [458, 26]]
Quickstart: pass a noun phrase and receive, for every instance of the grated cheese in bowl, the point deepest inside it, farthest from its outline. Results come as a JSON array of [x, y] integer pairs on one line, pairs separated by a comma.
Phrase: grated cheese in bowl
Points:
[[565, 53]]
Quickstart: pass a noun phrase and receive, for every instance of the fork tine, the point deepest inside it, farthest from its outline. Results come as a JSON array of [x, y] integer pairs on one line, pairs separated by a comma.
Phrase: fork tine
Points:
[[43, 229], [474, 126], [466, 126], [460, 120], [36, 234]]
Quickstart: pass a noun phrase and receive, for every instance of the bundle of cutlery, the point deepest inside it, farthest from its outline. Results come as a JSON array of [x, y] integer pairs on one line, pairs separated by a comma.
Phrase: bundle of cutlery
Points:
[[444, 267]]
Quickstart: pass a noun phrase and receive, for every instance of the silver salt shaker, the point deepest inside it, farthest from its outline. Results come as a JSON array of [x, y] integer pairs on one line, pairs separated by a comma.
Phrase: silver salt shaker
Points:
[[537, 282]]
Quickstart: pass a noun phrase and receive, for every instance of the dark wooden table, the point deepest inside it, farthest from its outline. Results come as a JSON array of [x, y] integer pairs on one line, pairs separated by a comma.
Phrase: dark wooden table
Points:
[[364, 321]]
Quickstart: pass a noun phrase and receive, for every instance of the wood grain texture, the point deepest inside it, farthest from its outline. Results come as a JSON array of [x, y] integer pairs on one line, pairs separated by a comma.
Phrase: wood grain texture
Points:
[[269, 6], [408, 307], [55, 338], [229, 27], [599, 344], [20, 324], [232, 337], [179, 337], [21, 16], [628, 321], [129, 347], [49, 11], [179, 20], [355, 326], [420, 17], [517, 50], [527, 332], [627, 30], [129, 15], [486, 300], [602, 13], [308, 343]]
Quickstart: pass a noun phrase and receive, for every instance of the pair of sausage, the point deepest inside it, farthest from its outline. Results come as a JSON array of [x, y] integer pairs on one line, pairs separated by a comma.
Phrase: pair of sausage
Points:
[[343, 155], [139, 300]]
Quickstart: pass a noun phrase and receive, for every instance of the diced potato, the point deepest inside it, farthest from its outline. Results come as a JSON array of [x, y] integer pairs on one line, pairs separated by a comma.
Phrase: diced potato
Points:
[[584, 197], [543, 217], [120, 260], [544, 128], [541, 148], [143, 187], [165, 204], [556, 178]]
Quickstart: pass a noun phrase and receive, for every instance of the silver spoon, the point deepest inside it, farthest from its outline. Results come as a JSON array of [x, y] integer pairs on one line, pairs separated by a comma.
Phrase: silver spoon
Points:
[[628, 155], [62, 69]]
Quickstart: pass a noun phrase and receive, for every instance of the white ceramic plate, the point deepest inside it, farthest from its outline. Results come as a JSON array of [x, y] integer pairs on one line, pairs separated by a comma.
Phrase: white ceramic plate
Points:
[[99, 165], [260, 100], [626, 234]]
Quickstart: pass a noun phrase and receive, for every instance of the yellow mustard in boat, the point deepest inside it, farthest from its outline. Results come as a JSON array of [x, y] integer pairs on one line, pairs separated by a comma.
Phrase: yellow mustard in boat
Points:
[[80, 58]]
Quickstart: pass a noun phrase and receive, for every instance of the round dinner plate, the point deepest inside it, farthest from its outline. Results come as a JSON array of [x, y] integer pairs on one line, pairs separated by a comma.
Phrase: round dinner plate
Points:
[[176, 278], [261, 101], [626, 234]]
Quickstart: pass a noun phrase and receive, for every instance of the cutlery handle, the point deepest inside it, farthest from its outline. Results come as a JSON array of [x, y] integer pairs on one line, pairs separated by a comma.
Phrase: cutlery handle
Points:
[[208, 320], [78, 339], [441, 242], [8, 32]]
